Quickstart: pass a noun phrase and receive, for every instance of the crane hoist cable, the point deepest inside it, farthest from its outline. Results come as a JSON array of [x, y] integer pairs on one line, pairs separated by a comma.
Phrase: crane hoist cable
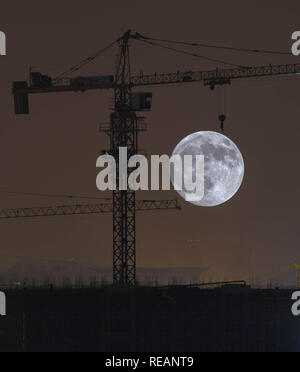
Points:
[[191, 54], [85, 61], [151, 41], [52, 195], [202, 45]]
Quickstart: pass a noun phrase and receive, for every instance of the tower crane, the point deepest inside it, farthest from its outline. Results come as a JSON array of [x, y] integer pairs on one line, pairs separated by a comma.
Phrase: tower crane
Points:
[[125, 124]]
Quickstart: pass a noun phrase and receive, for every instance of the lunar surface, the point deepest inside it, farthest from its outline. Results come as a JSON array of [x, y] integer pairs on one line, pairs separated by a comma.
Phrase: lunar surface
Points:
[[223, 166]]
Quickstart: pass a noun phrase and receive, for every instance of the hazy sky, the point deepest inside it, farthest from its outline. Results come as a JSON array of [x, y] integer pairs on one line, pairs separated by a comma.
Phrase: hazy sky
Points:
[[54, 150]]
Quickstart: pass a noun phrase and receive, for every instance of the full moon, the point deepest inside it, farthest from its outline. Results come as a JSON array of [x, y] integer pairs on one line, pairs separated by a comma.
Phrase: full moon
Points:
[[223, 166]]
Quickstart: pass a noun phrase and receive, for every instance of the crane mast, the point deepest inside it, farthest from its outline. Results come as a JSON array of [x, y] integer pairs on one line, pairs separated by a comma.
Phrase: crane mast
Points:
[[123, 133]]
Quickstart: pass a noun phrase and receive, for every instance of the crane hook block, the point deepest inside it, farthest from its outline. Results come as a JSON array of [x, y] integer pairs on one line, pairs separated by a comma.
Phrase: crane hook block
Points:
[[222, 119]]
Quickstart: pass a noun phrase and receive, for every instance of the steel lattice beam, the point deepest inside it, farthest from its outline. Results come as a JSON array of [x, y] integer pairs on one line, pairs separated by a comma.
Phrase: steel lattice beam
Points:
[[174, 78], [216, 75], [83, 209]]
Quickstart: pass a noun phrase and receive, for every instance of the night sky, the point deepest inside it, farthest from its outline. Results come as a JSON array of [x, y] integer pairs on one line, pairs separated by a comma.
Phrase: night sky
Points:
[[54, 150]]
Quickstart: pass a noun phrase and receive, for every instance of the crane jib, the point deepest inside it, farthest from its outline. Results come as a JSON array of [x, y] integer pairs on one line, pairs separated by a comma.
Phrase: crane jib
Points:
[[82, 209], [169, 78]]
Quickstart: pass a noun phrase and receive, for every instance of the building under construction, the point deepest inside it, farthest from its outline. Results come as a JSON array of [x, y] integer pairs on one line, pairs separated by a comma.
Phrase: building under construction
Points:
[[225, 318]]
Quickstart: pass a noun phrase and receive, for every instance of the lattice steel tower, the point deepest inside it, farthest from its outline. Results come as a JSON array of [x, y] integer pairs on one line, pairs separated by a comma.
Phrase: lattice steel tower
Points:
[[124, 130]]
